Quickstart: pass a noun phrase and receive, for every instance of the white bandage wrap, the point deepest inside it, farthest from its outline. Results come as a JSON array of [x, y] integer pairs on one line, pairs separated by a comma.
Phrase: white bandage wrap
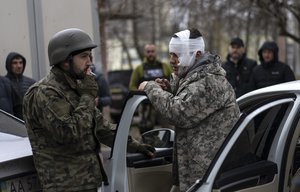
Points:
[[186, 48]]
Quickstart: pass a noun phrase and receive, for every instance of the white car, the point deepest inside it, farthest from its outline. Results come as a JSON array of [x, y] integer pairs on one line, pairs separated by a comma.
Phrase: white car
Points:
[[261, 153], [17, 172]]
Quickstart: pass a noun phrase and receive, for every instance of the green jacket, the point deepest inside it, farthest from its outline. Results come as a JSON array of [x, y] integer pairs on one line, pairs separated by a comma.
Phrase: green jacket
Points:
[[149, 71], [65, 130]]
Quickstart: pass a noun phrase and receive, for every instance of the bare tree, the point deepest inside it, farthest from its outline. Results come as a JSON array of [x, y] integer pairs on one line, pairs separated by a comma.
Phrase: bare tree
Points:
[[280, 10], [135, 23]]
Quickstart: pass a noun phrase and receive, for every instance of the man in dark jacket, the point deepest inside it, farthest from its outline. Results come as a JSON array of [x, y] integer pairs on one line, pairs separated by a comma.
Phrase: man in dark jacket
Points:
[[238, 67], [15, 66], [104, 96], [270, 71], [9, 98]]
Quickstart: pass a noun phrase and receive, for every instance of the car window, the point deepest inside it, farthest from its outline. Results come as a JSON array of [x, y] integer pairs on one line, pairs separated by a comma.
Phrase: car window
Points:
[[247, 164], [297, 158], [295, 175], [255, 141], [146, 119]]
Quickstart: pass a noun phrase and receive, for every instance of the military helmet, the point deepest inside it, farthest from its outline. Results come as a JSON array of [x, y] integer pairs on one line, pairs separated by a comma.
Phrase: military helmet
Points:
[[67, 41]]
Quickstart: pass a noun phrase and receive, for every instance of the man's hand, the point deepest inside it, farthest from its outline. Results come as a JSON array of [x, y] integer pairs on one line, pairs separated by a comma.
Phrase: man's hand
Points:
[[88, 85], [163, 83], [146, 149], [134, 146], [142, 86]]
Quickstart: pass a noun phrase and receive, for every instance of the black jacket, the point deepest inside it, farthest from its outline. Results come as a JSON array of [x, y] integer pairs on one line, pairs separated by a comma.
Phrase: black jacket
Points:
[[9, 99], [273, 72], [239, 74], [21, 83], [104, 94]]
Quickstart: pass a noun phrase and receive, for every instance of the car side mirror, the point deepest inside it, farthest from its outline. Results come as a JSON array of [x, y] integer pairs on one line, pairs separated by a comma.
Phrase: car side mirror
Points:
[[159, 138]]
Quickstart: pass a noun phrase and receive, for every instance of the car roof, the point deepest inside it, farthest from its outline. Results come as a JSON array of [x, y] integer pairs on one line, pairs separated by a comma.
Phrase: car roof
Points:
[[292, 87]]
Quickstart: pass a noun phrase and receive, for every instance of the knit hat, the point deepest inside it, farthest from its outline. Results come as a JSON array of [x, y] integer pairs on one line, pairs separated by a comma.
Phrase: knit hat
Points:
[[237, 41]]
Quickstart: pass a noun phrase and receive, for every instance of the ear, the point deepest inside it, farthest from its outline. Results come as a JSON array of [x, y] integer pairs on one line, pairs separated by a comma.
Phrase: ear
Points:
[[65, 65]]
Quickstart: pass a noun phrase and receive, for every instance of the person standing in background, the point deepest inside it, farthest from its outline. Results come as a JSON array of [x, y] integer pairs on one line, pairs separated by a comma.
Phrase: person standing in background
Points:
[[104, 96], [15, 65], [10, 101], [239, 67], [270, 71], [150, 69]]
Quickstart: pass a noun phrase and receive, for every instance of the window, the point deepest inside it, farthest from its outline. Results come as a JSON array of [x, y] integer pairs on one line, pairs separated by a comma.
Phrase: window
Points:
[[255, 141]]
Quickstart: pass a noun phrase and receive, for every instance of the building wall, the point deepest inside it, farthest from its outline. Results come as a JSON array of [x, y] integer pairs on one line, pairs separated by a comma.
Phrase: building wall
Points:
[[14, 31], [27, 27]]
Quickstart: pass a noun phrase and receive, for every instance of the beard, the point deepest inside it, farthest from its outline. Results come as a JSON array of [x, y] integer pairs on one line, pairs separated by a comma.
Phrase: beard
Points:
[[236, 56], [74, 74], [182, 70]]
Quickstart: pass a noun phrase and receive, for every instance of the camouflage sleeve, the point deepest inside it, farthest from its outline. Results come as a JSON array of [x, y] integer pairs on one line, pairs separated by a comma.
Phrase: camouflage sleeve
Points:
[[104, 129], [56, 114], [193, 103]]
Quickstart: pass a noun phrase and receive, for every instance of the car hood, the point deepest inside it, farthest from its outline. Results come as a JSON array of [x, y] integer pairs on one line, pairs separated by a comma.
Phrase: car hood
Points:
[[14, 142], [13, 147]]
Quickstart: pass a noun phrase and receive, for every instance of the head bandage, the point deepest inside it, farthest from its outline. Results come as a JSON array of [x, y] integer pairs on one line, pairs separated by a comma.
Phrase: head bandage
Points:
[[186, 48]]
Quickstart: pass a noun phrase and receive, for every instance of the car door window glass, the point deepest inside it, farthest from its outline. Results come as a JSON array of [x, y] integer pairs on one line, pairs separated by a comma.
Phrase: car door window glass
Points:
[[255, 141], [146, 119]]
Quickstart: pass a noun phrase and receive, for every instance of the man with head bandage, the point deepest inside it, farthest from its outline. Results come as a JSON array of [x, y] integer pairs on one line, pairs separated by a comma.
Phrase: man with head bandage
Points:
[[198, 101], [186, 48]]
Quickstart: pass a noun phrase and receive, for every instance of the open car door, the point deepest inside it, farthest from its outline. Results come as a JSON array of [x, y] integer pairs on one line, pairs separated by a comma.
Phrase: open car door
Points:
[[135, 172]]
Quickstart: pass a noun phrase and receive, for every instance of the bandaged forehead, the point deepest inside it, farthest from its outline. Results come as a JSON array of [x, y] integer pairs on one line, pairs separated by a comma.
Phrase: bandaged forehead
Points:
[[182, 44]]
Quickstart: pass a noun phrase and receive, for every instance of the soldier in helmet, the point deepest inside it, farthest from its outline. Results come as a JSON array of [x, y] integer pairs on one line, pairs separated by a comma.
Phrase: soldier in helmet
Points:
[[198, 101], [64, 126]]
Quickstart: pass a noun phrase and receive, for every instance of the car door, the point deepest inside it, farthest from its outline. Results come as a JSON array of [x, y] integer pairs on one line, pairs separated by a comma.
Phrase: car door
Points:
[[258, 153], [134, 172]]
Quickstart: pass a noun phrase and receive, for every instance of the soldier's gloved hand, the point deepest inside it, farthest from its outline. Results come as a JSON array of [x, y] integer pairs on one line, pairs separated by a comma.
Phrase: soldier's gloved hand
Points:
[[146, 149], [88, 85], [136, 147]]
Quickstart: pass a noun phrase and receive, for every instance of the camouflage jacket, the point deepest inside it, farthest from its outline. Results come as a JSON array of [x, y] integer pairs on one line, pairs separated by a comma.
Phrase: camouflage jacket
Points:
[[65, 130], [202, 107]]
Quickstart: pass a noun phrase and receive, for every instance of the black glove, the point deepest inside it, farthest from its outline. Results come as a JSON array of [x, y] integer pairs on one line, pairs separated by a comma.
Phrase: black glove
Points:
[[146, 149], [136, 147], [88, 85]]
